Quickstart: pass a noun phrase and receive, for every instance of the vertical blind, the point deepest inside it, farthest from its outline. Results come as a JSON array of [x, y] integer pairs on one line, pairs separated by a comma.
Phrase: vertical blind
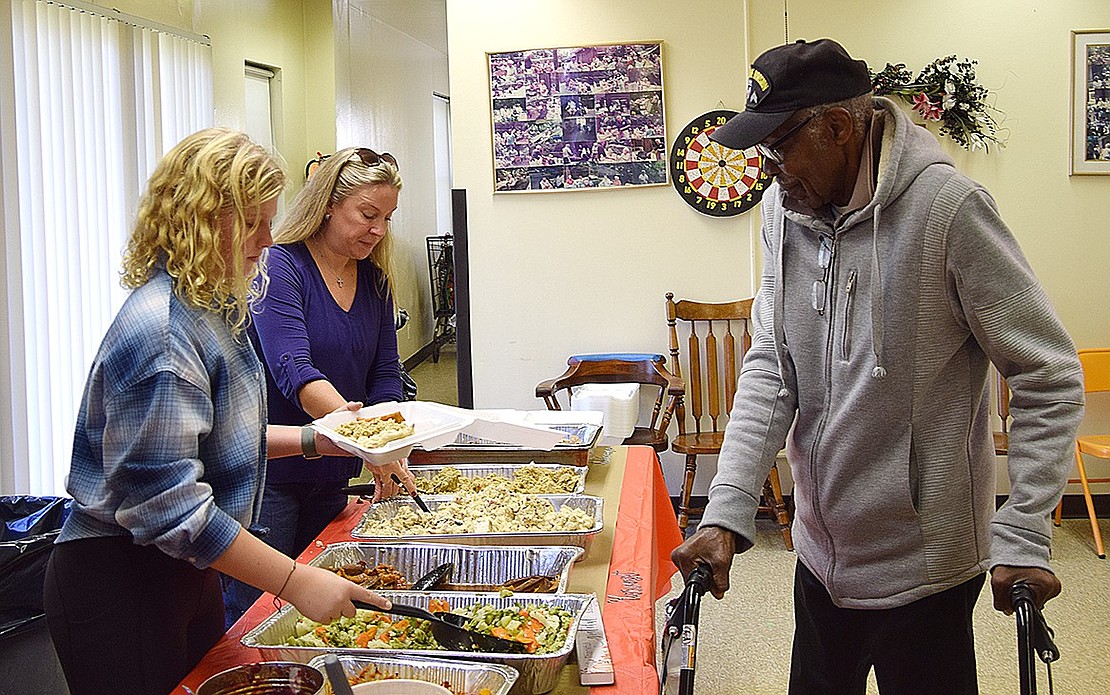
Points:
[[98, 99]]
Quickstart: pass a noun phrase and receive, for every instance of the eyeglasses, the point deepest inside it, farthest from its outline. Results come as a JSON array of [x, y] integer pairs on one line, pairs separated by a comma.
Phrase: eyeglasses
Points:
[[824, 262], [773, 151], [371, 158]]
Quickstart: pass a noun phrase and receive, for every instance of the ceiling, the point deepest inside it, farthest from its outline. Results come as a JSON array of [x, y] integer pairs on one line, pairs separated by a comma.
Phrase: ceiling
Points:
[[424, 20]]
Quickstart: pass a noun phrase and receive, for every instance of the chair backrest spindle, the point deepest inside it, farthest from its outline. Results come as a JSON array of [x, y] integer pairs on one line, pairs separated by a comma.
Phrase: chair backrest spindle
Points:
[[712, 358]]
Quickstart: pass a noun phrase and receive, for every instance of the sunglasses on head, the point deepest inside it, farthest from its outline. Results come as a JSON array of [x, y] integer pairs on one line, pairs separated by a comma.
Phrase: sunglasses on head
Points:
[[371, 158]]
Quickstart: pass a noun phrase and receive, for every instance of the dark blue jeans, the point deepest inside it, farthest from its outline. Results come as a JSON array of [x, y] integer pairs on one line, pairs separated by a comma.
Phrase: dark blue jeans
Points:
[[293, 514], [922, 648]]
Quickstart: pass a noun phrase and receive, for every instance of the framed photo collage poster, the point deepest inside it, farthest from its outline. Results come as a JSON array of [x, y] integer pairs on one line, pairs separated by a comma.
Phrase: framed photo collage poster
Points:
[[581, 117]]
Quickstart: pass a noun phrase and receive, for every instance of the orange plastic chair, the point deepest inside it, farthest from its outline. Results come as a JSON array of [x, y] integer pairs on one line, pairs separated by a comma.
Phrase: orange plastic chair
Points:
[[1096, 379]]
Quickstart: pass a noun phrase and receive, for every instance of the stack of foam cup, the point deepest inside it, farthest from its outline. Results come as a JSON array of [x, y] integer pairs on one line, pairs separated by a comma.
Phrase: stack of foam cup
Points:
[[619, 402]]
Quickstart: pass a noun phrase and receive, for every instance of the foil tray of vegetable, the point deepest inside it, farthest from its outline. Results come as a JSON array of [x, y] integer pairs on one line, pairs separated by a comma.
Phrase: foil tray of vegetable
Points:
[[525, 478], [275, 637], [460, 677], [400, 509], [488, 565]]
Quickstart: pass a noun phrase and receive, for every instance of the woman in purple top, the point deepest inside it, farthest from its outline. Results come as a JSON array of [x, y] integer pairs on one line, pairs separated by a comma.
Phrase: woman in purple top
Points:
[[326, 332]]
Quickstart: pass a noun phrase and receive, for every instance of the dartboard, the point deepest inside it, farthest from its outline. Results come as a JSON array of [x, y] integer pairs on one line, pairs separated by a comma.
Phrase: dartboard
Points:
[[714, 179]]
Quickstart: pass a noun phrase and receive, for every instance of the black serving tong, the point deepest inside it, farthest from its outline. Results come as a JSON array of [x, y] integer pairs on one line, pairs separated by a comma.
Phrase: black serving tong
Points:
[[367, 490], [432, 579], [414, 493], [448, 630], [362, 489]]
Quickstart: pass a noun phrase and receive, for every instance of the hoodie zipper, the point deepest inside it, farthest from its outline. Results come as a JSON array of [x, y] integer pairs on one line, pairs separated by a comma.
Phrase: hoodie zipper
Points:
[[819, 434], [846, 328]]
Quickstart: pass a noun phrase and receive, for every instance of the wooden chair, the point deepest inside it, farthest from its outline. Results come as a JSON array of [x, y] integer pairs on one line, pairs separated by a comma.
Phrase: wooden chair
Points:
[[1096, 379], [619, 368], [717, 335], [1002, 397]]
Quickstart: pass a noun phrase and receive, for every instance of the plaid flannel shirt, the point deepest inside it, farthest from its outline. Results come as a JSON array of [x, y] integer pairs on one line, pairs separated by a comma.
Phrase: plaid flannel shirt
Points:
[[170, 445]]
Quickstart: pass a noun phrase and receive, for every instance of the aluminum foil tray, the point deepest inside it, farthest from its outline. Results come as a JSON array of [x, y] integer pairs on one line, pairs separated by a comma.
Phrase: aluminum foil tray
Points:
[[461, 677], [539, 673], [583, 539], [586, 433], [490, 564], [507, 470]]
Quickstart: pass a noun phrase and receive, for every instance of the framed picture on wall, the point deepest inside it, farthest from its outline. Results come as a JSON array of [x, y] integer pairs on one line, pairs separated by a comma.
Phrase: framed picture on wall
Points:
[[578, 118], [1090, 146]]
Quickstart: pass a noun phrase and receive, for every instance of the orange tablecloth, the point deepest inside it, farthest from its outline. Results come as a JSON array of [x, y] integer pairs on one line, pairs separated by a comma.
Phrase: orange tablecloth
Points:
[[635, 548]]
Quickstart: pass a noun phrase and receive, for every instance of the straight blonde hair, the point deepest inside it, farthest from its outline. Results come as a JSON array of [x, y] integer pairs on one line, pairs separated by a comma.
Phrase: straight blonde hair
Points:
[[332, 183], [209, 174]]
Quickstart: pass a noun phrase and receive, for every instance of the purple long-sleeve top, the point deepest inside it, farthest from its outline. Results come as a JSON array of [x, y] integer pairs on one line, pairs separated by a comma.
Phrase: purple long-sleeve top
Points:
[[302, 335]]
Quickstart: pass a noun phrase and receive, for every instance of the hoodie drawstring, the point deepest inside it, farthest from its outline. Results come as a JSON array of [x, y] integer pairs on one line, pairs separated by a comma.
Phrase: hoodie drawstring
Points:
[[876, 296], [778, 220]]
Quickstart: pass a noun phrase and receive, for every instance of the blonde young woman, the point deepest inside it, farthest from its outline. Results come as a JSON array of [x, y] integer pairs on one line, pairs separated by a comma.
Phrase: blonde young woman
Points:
[[327, 335], [171, 441]]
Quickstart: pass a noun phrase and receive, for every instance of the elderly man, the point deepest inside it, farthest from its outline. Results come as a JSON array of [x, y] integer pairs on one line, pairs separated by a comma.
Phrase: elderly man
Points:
[[889, 284]]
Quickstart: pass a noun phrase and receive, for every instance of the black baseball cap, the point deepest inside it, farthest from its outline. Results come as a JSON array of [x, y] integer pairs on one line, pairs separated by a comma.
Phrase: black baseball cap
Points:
[[791, 77]]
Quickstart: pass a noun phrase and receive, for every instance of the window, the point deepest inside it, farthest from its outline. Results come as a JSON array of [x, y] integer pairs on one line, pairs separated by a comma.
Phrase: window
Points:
[[98, 97], [441, 116]]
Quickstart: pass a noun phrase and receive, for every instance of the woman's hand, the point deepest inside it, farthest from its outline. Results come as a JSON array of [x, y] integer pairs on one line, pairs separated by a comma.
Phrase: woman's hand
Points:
[[322, 595], [384, 487]]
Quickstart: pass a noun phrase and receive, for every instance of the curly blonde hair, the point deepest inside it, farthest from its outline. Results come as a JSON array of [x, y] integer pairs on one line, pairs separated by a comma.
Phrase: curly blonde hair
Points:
[[209, 174], [332, 183]]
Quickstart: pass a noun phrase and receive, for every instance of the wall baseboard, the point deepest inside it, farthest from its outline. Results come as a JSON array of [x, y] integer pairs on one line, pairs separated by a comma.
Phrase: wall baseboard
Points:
[[1074, 505], [419, 356]]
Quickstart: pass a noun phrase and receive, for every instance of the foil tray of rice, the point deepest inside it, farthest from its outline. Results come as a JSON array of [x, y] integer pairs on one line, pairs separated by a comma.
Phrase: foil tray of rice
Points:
[[460, 677], [525, 478], [476, 519], [286, 635], [485, 566]]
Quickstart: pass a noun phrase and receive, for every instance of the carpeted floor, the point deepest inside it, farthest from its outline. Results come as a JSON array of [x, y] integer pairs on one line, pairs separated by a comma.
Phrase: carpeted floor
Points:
[[743, 644]]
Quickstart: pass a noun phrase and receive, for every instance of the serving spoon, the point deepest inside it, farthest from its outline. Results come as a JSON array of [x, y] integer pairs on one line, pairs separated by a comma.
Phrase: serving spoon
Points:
[[450, 635]]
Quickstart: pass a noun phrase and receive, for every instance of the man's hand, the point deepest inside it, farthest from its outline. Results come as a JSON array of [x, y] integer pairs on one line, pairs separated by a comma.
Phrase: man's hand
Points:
[[712, 546], [1044, 584]]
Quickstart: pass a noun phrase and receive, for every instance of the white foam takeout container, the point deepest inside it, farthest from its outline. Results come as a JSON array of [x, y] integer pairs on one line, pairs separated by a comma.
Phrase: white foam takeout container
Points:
[[437, 425], [434, 426]]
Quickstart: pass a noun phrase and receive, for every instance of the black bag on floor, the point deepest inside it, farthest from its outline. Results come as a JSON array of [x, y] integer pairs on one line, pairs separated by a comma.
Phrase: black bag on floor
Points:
[[30, 526]]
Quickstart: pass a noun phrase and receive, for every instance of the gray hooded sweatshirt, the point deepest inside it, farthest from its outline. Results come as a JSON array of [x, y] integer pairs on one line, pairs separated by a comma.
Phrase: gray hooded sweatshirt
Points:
[[881, 398]]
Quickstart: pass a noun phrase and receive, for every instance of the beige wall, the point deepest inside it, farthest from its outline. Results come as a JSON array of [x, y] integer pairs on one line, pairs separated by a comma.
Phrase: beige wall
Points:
[[554, 274], [557, 273], [385, 102], [384, 91], [294, 36], [1024, 53]]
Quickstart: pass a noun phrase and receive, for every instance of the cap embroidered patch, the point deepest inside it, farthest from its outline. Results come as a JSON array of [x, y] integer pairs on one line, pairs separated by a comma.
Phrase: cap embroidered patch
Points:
[[758, 87], [791, 77]]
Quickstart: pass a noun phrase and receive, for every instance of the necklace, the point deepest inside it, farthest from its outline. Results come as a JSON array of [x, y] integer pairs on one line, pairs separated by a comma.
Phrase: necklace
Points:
[[339, 281]]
